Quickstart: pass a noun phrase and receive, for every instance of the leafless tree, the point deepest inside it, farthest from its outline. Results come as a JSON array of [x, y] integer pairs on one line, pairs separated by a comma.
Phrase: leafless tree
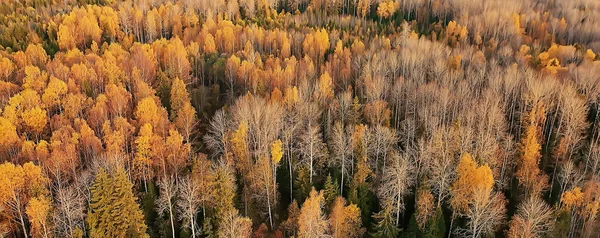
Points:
[[384, 139], [166, 199], [215, 137], [188, 202], [534, 218], [341, 150], [69, 215], [486, 213], [396, 183]]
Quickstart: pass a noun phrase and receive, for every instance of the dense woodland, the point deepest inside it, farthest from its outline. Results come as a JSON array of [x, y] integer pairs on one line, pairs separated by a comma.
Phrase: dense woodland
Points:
[[298, 118]]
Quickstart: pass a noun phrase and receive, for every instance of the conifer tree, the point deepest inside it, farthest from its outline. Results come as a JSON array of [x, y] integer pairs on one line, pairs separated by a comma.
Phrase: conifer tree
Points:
[[331, 191], [385, 227], [113, 210]]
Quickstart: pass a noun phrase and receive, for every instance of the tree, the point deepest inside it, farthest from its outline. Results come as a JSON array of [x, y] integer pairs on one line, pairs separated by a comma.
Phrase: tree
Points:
[[325, 88], [216, 136], [54, 93], [290, 226], [424, 207], [148, 110], [385, 226], [38, 211], [188, 202], [234, 225], [179, 97], [119, 101], [473, 198], [166, 199], [35, 120], [312, 222], [387, 8], [111, 193], [264, 186], [18, 186], [142, 162], [69, 211], [330, 192], [203, 178], [534, 218], [341, 149], [395, 184], [312, 148], [530, 177], [9, 138], [345, 220], [186, 121]]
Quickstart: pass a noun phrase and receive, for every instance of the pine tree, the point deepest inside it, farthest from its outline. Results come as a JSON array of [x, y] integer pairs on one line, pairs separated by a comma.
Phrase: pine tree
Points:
[[385, 227], [331, 191], [113, 209], [302, 185], [436, 227]]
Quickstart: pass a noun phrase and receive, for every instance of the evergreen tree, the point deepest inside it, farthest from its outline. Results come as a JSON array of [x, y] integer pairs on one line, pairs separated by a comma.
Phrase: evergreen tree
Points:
[[113, 209], [331, 191], [385, 227], [413, 229], [302, 185], [436, 227]]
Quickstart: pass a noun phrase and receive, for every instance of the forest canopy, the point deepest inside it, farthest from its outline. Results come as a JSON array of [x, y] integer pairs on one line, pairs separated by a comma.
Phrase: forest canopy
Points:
[[299, 118]]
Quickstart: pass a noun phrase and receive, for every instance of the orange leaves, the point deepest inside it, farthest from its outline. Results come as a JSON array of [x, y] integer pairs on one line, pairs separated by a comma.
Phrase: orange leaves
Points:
[[316, 44], [455, 61], [18, 186], [35, 79], [175, 151], [425, 207], [142, 162], [528, 173], [377, 113], [35, 119], [387, 8], [325, 88], [38, 211], [8, 135], [179, 97], [172, 56], [54, 93], [456, 33], [572, 198], [311, 221], [345, 221], [144, 60], [225, 36], [149, 111], [239, 146], [6, 68], [79, 28], [471, 179], [209, 44]]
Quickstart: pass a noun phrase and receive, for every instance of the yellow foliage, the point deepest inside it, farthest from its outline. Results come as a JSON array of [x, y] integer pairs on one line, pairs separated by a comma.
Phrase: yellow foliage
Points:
[[35, 119], [55, 91], [325, 90], [572, 198], [38, 211], [471, 179], [590, 55], [276, 151], [455, 61], [387, 8]]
